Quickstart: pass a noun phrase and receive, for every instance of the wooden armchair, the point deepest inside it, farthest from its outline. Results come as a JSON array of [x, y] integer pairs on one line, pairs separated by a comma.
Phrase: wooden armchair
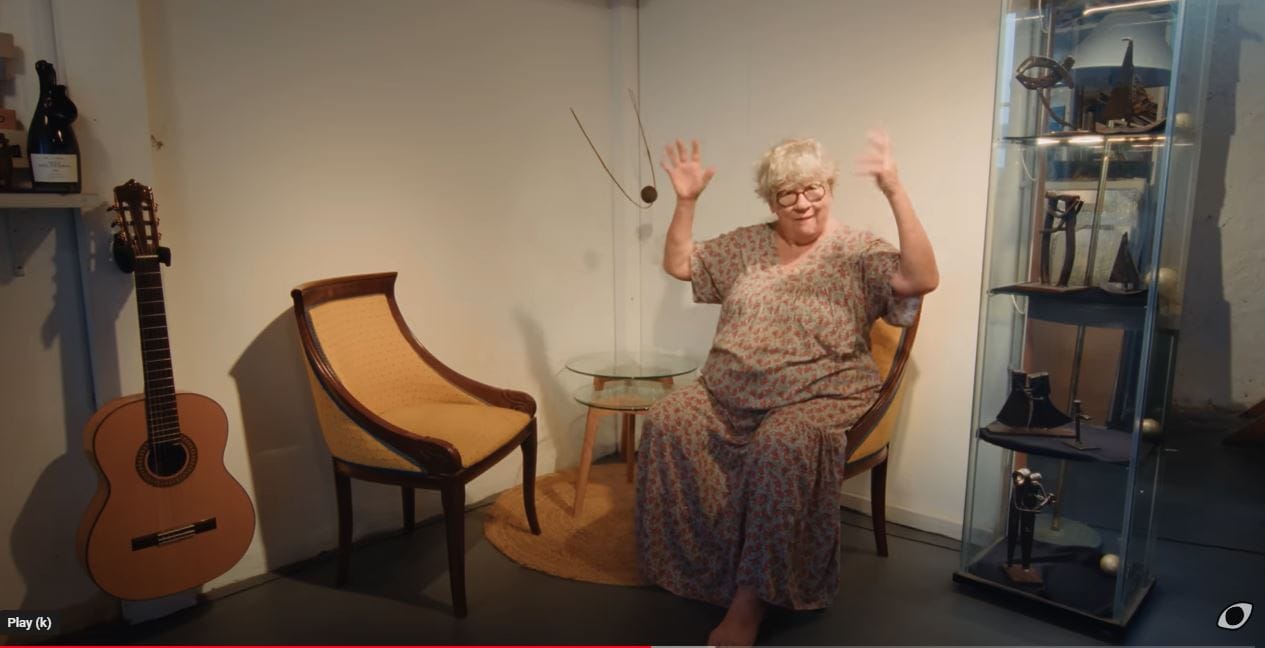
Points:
[[390, 412], [869, 437]]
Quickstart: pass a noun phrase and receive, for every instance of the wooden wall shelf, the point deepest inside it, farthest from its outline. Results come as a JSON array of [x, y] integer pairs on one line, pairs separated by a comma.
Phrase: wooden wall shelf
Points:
[[32, 200]]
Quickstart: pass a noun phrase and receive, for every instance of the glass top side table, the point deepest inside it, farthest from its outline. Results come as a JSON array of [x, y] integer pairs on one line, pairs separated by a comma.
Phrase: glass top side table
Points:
[[623, 385]]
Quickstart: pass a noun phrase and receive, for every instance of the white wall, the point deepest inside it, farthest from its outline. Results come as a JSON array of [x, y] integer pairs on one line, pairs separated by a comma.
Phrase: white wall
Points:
[[308, 139], [1221, 352], [743, 75], [302, 140], [66, 303]]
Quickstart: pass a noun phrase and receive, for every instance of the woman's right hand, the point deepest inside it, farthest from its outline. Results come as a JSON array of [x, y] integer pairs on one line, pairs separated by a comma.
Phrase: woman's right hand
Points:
[[689, 177]]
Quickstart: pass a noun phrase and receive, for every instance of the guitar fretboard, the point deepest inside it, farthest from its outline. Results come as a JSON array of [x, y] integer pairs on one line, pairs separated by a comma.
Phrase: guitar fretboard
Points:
[[160, 386]]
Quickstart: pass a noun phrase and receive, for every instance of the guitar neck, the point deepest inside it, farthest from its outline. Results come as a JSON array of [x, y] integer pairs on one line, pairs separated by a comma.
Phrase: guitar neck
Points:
[[160, 387]]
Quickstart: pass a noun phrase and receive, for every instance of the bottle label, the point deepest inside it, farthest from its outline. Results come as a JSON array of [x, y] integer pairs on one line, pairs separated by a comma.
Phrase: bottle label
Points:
[[54, 168]]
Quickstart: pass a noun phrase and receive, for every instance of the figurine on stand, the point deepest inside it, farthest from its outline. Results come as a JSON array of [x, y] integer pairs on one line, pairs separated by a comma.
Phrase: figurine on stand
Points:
[[1077, 416], [1027, 498]]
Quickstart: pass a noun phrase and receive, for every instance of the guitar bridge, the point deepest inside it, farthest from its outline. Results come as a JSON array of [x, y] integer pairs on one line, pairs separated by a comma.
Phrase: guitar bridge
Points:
[[172, 535]]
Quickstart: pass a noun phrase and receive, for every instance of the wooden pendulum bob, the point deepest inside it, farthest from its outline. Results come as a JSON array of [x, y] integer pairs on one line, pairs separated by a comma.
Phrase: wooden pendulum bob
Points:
[[1028, 409], [1077, 417], [1027, 498]]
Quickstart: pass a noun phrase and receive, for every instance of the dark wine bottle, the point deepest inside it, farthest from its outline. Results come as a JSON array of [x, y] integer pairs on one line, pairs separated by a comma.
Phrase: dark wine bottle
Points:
[[50, 142]]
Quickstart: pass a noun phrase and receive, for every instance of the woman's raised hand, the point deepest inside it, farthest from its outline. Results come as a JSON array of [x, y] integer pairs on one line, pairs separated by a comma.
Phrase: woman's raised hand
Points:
[[877, 162], [689, 177]]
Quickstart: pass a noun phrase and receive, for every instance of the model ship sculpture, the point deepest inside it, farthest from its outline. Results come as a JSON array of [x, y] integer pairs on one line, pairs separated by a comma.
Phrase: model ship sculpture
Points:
[[1126, 108], [1124, 279]]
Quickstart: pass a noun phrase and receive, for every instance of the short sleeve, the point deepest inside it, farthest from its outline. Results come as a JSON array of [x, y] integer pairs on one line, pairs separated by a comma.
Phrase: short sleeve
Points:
[[879, 261], [714, 267]]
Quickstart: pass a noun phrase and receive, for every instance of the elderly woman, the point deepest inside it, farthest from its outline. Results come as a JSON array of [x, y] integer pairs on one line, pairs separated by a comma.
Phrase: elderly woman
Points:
[[739, 473]]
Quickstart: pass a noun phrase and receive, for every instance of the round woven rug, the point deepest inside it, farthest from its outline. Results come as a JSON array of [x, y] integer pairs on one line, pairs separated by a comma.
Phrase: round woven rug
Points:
[[597, 547]]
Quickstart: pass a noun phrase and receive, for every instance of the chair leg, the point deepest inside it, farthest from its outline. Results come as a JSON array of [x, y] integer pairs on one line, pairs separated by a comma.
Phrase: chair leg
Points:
[[342, 492], [410, 515], [454, 499], [878, 504], [529, 479]]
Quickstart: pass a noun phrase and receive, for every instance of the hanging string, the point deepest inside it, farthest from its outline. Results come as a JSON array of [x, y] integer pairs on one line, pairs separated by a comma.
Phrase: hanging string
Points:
[[649, 193]]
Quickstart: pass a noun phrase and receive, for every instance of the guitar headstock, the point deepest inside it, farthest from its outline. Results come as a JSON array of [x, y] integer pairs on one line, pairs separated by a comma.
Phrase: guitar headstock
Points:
[[137, 222]]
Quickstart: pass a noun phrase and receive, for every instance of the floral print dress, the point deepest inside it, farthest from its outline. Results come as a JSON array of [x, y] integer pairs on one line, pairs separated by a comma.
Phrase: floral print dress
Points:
[[738, 474]]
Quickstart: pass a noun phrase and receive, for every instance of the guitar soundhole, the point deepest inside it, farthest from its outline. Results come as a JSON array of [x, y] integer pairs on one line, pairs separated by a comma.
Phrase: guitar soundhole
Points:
[[167, 463]]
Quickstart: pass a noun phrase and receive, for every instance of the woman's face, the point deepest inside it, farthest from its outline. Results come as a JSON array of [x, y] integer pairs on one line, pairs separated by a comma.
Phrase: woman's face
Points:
[[802, 210]]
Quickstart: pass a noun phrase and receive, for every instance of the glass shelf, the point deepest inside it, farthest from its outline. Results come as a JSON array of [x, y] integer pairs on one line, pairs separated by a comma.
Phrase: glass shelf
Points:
[[1082, 139], [1108, 446], [645, 367], [1081, 306], [623, 395]]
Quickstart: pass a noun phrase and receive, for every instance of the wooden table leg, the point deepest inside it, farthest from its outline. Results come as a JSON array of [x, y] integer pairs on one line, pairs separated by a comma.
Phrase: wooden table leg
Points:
[[586, 459], [630, 446]]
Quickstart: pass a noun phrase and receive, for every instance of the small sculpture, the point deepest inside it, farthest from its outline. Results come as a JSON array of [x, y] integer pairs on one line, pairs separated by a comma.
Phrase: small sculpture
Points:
[[1064, 208], [1027, 498], [1124, 277], [1060, 74], [1029, 410], [1127, 108], [1077, 416]]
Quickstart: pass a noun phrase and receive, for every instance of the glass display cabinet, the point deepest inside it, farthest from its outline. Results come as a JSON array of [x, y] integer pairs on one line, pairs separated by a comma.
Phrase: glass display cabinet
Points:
[[1095, 146]]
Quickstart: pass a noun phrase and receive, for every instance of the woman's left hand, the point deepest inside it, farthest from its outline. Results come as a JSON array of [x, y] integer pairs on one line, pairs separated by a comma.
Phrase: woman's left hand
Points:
[[878, 163]]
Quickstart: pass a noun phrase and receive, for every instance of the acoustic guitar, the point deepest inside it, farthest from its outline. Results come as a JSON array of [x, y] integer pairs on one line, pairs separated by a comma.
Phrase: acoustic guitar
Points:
[[167, 516]]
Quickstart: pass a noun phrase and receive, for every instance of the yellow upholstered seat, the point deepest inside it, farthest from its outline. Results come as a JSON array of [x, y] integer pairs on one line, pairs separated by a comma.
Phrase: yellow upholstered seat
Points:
[[391, 412], [868, 439], [475, 430]]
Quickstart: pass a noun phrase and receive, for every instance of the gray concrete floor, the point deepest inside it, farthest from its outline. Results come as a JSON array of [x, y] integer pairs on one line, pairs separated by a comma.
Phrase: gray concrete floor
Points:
[[398, 594], [1210, 554]]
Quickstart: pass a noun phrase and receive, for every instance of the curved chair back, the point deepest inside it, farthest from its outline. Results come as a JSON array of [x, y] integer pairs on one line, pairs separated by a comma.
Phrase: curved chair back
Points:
[[392, 413], [891, 346], [362, 361]]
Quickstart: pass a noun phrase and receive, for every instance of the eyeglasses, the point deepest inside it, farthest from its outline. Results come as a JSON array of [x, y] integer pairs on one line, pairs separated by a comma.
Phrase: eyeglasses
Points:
[[812, 192]]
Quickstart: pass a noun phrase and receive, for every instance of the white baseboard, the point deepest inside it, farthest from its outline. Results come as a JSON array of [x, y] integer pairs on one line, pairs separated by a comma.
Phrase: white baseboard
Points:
[[947, 528]]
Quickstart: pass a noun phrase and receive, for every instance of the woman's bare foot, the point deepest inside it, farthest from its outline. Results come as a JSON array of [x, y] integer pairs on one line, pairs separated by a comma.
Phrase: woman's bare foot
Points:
[[741, 622]]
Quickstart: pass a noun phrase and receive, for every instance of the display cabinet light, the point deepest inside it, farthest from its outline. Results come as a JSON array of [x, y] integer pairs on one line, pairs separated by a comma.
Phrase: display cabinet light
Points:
[[1124, 5]]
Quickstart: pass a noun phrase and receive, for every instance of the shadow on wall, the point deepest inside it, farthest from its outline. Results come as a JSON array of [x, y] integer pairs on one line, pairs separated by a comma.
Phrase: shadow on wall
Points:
[[565, 430], [43, 534], [289, 465], [1204, 355]]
